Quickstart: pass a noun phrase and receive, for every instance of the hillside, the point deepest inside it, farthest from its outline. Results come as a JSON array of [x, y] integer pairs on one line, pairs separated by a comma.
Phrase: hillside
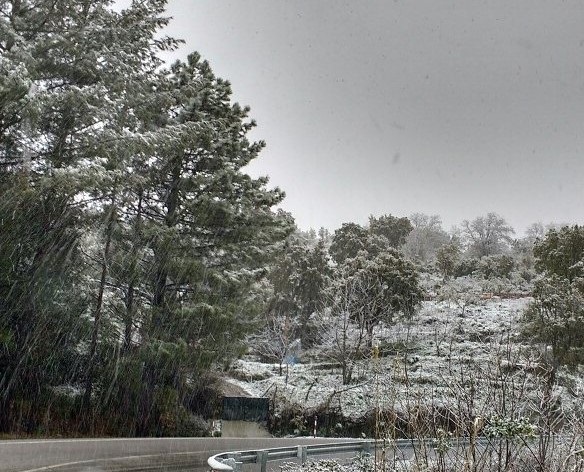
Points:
[[450, 362]]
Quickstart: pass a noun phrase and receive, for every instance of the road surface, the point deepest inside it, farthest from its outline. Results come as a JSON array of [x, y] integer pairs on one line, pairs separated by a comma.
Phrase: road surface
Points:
[[105, 455]]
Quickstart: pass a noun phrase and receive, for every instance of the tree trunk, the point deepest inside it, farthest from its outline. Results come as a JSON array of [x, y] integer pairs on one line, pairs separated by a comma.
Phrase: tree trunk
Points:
[[159, 305], [369, 328], [129, 299], [161, 272], [128, 318], [97, 314]]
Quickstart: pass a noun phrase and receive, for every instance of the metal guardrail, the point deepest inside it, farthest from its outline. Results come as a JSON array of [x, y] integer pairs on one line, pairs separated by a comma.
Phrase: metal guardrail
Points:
[[233, 461]]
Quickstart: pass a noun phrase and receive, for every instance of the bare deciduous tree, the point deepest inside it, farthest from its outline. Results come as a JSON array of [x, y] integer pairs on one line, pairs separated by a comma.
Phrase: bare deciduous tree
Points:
[[487, 235]]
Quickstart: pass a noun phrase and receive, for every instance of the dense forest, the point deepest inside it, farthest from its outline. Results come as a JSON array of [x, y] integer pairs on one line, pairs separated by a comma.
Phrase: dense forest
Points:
[[138, 258], [132, 241]]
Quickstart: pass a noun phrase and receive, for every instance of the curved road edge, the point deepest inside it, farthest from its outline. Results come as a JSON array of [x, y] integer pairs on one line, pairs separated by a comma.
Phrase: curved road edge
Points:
[[53, 455]]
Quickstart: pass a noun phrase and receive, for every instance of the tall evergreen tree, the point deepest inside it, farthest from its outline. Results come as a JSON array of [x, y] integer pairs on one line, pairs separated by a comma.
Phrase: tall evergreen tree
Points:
[[132, 238], [210, 229], [81, 75], [40, 302]]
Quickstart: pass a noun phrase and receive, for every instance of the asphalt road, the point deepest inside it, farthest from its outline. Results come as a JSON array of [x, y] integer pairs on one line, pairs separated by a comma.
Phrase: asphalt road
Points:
[[105, 455]]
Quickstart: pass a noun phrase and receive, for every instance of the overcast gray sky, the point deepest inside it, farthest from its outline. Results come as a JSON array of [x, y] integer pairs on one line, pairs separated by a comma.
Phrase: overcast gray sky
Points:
[[454, 108]]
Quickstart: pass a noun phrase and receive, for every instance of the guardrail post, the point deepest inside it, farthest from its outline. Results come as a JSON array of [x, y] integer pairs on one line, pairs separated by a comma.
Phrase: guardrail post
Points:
[[302, 454], [366, 448], [262, 460]]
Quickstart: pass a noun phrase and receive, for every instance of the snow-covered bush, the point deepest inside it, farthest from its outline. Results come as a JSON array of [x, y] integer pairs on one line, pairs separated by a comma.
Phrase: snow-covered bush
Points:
[[362, 463], [510, 428]]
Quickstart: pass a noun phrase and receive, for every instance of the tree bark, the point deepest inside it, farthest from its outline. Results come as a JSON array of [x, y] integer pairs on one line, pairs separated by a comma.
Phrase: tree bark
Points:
[[129, 299], [97, 313]]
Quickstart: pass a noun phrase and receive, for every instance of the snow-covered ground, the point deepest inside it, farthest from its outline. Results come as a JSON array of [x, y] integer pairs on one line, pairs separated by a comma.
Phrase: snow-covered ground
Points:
[[445, 353]]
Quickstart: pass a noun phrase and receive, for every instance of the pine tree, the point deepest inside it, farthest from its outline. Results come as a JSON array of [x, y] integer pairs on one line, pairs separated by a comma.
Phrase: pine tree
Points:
[[131, 235], [85, 74], [40, 301], [209, 229]]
